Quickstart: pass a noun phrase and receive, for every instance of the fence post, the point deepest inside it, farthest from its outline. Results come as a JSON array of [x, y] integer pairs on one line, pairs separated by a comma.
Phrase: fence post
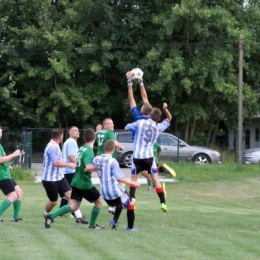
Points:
[[27, 149]]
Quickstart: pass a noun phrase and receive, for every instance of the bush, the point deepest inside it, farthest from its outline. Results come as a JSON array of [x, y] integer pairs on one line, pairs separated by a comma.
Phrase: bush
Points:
[[19, 174]]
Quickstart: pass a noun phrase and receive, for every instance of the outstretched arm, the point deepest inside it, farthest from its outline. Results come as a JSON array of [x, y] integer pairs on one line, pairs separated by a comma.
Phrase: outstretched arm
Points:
[[167, 113], [143, 93], [9, 157], [127, 181], [130, 90], [118, 145]]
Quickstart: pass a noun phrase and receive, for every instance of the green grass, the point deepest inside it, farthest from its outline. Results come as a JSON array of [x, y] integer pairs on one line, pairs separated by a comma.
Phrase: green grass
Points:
[[208, 218], [190, 172]]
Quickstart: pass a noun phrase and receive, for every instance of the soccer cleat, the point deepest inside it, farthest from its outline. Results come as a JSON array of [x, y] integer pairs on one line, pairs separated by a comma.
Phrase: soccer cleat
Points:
[[149, 188], [17, 220], [46, 214], [81, 220], [1, 220], [48, 220], [113, 224], [131, 229], [169, 170], [111, 210], [97, 227], [164, 207]]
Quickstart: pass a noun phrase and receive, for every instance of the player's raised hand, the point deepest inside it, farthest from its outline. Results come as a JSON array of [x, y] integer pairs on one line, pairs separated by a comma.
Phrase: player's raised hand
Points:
[[165, 105], [141, 82], [129, 79], [98, 127]]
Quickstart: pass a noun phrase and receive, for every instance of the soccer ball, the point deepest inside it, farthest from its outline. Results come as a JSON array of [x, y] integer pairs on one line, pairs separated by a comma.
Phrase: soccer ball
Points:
[[137, 73]]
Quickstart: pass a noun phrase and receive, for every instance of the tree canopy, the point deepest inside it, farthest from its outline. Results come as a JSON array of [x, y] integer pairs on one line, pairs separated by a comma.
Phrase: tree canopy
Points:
[[64, 62]]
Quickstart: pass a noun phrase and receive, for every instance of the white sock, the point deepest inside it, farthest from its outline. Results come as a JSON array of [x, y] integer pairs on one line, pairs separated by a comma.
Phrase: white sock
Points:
[[78, 213]]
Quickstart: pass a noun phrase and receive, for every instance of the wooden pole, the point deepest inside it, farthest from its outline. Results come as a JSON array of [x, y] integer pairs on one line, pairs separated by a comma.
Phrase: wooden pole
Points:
[[240, 103]]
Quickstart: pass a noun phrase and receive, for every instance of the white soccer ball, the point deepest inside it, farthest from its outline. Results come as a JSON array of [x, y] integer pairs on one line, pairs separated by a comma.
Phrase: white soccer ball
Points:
[[137, 73]]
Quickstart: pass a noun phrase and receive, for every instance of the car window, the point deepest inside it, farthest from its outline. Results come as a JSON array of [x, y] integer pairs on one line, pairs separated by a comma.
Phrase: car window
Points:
[[124, 138], [167, 140]]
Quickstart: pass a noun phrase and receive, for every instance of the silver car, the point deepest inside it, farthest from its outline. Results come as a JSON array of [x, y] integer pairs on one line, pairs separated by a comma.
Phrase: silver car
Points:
[[172, 149], [251, 155]]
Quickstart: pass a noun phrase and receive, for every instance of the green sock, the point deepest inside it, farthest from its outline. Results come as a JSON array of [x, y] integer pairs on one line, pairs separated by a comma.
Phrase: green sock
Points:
[[5, 204], [17, 206], [94, 215], [149, 183], [61, 211]]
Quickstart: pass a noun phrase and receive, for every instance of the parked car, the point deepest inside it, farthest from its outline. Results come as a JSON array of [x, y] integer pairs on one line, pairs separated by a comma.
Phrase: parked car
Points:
[[251, 155], [170, 150]]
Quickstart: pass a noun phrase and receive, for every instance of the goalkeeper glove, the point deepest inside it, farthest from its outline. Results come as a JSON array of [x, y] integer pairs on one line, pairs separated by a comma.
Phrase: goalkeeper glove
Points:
[[129, 79]]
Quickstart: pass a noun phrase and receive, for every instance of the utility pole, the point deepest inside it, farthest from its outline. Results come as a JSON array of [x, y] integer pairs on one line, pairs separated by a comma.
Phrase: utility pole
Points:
[[240, 103]]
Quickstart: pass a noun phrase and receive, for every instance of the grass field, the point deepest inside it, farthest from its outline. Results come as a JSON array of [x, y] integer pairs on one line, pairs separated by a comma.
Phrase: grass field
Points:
[[208, 218]]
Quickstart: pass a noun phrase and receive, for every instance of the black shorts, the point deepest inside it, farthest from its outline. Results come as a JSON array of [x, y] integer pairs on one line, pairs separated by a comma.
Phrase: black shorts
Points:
[[90, 195], [55, 188], [7, 186], [120, 202], [69, 177], [147, 164]]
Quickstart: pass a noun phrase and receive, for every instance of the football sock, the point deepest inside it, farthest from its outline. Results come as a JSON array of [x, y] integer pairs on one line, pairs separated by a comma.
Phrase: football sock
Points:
[[117, 214], [160, 194], [61, 211], [78, 213], [130, 216], [132, 192], [17, 206], [5, 204], [63, 202], [94, 215], [149, 183]]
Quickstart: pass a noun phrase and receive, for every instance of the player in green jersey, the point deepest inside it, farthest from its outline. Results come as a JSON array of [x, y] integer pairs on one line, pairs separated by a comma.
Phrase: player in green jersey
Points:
[[8, 186], [106, 133]]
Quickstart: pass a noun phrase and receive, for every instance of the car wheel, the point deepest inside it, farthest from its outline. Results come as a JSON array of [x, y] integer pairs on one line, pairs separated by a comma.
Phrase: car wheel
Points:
[[201, 159], [127, 159]]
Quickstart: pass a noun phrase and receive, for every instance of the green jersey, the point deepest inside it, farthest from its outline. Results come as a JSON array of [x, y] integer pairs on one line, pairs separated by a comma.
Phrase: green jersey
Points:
[[156, 150], [81, 179], [101, 137], [4, 167]]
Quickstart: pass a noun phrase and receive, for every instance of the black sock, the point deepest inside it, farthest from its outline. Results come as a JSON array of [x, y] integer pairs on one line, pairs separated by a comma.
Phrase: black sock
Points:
[[130, 218], [161, 197], [63, 202], [132, 192], [117, 214]]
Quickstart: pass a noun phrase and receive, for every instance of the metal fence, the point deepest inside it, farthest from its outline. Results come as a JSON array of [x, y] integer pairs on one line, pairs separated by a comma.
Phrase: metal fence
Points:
[[32, 142]]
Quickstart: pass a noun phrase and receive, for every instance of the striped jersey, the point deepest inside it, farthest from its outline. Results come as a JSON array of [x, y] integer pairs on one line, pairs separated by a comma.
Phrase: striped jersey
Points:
[[137, 115], [109, 172], [70, 147], [146, 133], [52, 154]]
